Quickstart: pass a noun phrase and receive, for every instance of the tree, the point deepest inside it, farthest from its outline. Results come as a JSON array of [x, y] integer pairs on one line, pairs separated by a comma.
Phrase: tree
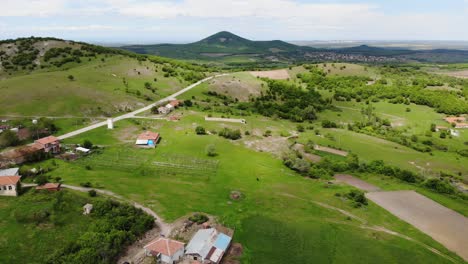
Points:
[[199, 130], [443, 134], [211, 150], [188, 103], [71, 77], [41, 180], [87, 144], [414, 138], [8, 138], [433, 127], [300, 128], [148, 85]]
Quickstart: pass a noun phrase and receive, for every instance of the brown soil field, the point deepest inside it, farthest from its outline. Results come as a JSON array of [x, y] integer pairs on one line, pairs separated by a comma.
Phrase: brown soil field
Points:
[[444, 225], [274, 74], [356, 182], [458, 74], [331, 150]]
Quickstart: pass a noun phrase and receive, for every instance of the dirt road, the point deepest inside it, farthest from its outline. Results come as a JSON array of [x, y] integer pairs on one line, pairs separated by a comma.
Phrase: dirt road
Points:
[[444, 225], [141, 110]]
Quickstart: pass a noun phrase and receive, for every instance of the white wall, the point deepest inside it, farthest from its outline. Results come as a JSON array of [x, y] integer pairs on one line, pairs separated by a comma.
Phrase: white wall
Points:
[[8, 192]]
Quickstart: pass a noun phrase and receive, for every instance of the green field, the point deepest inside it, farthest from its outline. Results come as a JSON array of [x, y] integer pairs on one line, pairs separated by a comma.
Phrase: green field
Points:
[[282, 198], [97, 88]]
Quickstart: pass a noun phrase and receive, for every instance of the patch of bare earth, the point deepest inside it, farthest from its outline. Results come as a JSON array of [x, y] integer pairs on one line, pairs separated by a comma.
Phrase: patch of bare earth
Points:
[[235, 88], [128, 134], [275, 145], [331, 150], [274, 74], [444, 225], [459, 74], [358, 183], [308, 156]]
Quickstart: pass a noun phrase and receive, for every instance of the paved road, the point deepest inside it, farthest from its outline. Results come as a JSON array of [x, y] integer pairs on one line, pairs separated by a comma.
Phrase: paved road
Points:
[[132, 114]]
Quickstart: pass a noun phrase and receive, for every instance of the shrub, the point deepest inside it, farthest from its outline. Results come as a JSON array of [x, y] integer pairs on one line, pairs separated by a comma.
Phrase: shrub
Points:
[[41, 180], [211, 150], [199, 218], [87, 144], [358, 197], [300, 128], [92, 193], [200, 130], [86, 184], [230, 134], [267, 133]]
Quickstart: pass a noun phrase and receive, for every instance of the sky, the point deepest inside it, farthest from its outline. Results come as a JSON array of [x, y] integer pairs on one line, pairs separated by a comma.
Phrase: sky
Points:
[[179, 21]]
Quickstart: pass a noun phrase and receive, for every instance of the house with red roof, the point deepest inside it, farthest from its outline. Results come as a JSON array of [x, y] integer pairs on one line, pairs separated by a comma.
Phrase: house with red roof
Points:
[[147, 139], [48, 144], [165, 250], [8, 185]]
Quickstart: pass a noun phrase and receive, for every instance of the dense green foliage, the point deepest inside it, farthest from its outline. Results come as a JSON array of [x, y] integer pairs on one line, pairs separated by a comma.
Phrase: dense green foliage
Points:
[[114, 226]]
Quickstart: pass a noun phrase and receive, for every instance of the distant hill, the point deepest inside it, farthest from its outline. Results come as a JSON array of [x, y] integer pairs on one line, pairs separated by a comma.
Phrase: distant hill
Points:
[[220, 44], [230, 49]]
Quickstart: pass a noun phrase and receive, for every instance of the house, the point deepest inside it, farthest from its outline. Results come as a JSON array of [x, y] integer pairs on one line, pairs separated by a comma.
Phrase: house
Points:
[[163, 110], [8, 185], [147, 139], [208, 246], [48, 144], [165, 250], [459, 121], [9, 172], [175, 103], [51, 187], [441, 128], [87, 208]]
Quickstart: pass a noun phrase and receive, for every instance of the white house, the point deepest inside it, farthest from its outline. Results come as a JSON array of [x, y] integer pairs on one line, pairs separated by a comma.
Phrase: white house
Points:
[[8, 185], [165, 250], [208, 246]]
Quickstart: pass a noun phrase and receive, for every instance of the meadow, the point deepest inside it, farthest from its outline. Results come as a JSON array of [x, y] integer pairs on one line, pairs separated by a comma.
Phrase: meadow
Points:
[[280, 201]]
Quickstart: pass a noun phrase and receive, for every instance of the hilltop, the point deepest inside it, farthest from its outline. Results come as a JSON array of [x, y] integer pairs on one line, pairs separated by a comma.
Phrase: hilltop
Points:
[[232, 50], [48, 76]]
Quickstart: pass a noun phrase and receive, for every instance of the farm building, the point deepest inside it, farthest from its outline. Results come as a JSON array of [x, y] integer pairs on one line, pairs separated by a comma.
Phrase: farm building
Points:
[[48, 144], [8, 185], [208, 246], [147, 139], [87, 208], [19, 155], [163, 110], [165, 250], [52, 187]]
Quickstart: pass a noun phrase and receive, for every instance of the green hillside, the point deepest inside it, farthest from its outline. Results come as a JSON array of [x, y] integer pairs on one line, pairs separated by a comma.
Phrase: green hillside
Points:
[[63, 78]]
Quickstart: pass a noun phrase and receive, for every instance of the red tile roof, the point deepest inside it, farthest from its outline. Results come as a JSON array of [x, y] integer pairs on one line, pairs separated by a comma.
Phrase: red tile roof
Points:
[[148, 135], [9, 180], [47, 140], [165, 246], [175, 103]]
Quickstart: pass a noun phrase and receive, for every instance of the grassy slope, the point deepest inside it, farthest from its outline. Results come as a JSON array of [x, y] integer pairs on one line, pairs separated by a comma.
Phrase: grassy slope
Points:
[[27, 242], [51, 93], [279, 195]]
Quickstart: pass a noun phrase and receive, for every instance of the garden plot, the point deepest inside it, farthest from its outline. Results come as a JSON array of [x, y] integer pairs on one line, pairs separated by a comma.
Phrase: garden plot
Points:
[[444, 225], [165, 165]]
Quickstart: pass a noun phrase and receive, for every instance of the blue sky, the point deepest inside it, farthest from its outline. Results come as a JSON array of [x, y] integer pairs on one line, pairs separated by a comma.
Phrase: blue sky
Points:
[[153, 21]]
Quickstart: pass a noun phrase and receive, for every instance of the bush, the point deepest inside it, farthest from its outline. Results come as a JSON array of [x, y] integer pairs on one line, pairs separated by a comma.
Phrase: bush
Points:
[[230, 134], [199, 218], [86, 184], [358, 197], [87, 144], [92, 193], [440, 186], [41, 180], [267, 133], [200, 130], [211, 150], [300, 128]]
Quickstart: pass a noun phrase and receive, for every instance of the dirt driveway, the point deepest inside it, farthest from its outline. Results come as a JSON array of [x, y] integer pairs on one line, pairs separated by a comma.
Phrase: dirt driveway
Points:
[[356, 182], [444, 225]]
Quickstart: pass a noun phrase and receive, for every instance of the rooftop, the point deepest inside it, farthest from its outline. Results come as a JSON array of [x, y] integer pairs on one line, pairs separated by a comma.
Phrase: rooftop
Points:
[[47, 140], [164, 246], [9, 172], [9, 180], [147, 135], [48, 186]]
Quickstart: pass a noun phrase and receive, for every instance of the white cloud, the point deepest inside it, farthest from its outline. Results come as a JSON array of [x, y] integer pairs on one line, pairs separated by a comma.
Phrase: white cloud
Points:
[[12, 8]]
